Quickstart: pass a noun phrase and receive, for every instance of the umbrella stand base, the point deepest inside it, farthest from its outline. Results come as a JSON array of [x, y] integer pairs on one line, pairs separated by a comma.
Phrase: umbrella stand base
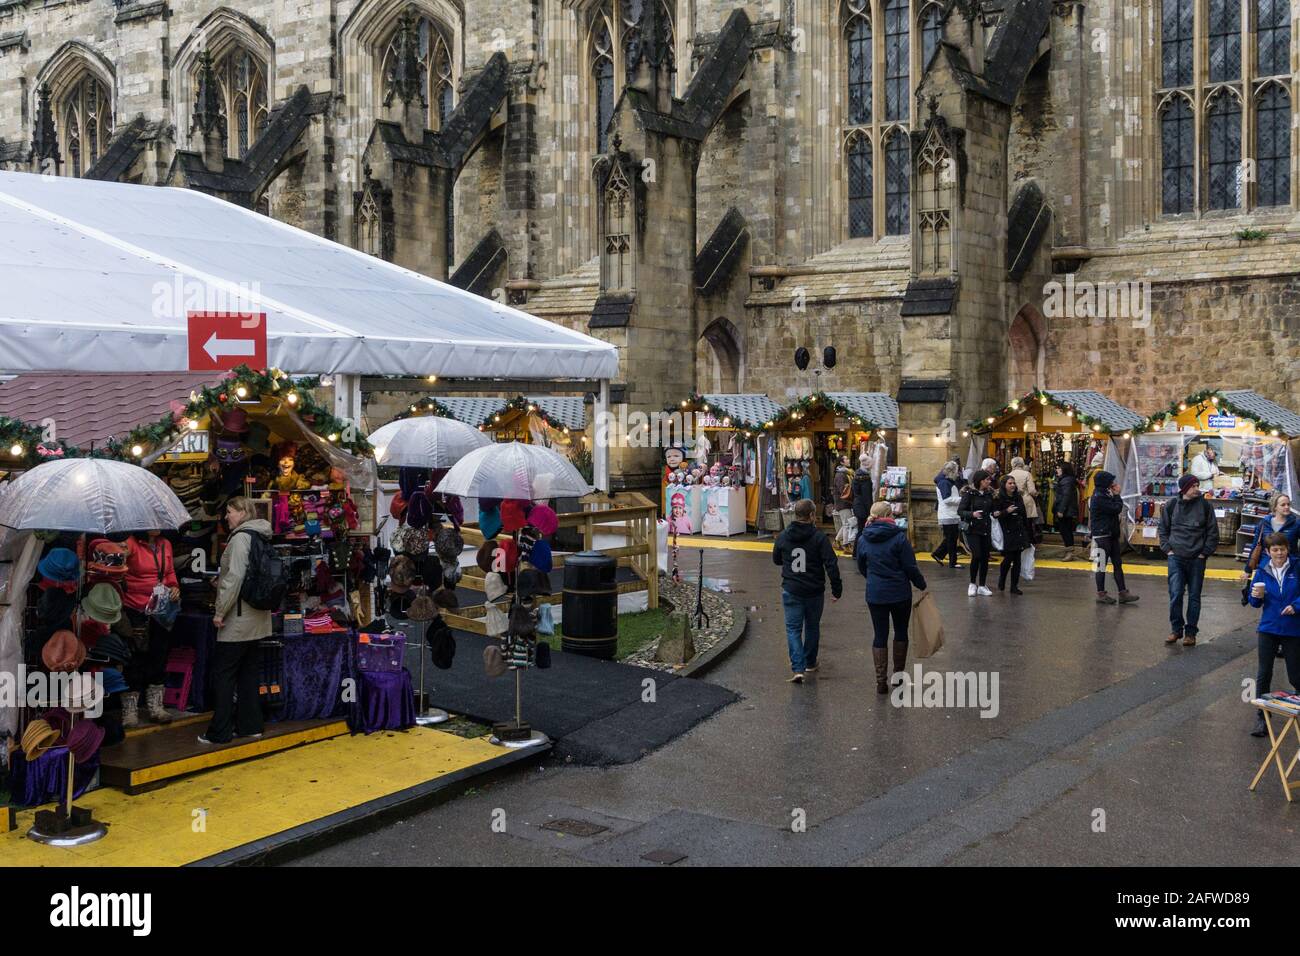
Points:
[[516, 734], [54, 828], [434, 715]]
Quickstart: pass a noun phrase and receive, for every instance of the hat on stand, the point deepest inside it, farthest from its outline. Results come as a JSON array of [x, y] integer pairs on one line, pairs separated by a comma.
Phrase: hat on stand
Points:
[[38, 738], [83, 692], [422, 609], [494, 662], [109, 649], [84, 740], [103, 604], [513, 514], [106, 558], [494, 585], [60, 565], [59, 719], [489, 521], [544, 519], [234, 421], [63, 652]]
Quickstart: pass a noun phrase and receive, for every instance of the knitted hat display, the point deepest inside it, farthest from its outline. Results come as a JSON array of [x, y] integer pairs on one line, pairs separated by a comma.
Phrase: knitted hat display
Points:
[[409, 540], [489, 522], [494, 585], [446, 598], [513, 516], [397, 507], [103, 604], [83, 692], [401, 571], [110, 649], [441, 643], [63, 652], [483, 557], [495, 621], [544, 519], [60, 565], [114, 682], [523, 620], [451, 573], [528, 536], [448, 544], [532, 582]]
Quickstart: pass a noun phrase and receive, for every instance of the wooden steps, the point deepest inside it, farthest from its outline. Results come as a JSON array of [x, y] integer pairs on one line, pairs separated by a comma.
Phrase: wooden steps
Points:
[[145, 761]]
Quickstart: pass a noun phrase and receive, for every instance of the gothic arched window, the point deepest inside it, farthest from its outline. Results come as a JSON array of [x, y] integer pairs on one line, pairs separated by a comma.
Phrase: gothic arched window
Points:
[[1223, 169], [617, 263], [931, 31], [861, 214], [602, 70], [242, 79], [898, 166], [1219, 134], [935, 177], [1273, 146], [613, 51], [87, 118], [426, 43], [1178, 156]]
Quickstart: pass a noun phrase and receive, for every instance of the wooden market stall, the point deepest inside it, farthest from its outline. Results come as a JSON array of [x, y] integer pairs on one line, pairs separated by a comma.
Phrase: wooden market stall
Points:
[[1049, 426], [813, 433], [1241, 445], [714, 463]]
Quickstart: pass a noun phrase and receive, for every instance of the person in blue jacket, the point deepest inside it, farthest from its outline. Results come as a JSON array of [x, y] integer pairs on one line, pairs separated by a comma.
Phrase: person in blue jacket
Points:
[[1280, 518], [1276, 588], [885, 558]]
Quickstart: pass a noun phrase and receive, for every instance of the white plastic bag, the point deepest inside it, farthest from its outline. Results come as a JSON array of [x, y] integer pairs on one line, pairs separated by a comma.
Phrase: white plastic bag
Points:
[[998, 540], [848, 529], [1027, 563]]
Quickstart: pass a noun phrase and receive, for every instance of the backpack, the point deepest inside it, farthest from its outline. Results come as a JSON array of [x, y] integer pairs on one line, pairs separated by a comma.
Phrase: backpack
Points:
[[266, 577]]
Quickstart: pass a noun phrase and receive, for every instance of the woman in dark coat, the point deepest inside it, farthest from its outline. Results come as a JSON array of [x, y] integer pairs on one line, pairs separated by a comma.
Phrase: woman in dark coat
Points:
[[862, 491], [1065, 506], [976, 509], [1104, 510], [885, 558], [1009, 511]]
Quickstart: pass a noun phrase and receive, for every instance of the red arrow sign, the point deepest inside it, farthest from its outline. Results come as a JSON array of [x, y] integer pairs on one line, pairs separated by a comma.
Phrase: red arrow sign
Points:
[[220, 341]]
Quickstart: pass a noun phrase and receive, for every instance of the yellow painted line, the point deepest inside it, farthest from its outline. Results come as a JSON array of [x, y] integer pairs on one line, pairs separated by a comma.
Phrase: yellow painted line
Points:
[[208, 813], [183, 721], [1149, 570], [218, 758]]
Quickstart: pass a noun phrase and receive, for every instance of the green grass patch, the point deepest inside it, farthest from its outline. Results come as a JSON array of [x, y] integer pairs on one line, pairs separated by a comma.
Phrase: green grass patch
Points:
[[464, 727], [635, 631]]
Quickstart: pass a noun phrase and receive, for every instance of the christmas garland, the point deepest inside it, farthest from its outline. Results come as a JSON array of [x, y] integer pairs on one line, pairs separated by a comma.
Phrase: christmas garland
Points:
[[23, 442], [698, 403], [1215, 398], [431, 406], [520, 403], [1094, 422], [810, 403]]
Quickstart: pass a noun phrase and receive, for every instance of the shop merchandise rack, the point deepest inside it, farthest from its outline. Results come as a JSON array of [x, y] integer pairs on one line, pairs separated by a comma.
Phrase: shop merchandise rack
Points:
[[896, 488], [1254, 508]]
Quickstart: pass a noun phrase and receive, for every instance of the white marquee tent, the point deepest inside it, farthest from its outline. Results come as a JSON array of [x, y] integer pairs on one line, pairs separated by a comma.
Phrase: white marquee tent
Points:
[[97, 277]]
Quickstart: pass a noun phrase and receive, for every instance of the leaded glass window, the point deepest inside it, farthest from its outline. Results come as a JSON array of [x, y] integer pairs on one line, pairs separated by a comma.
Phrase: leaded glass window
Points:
[[1273, 147], [1272, 37], [1177, 24], [898, 164], [1225, 40], [602, 68], [617, 266], [859, 64], [897, 94], [861, 192], [242, 79], [931, 31], [435, 67], [1224, 154], [87, 124], [1178, 157]]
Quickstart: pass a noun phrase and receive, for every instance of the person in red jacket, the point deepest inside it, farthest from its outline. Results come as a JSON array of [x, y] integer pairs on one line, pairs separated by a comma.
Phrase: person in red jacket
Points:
[[148, 564]]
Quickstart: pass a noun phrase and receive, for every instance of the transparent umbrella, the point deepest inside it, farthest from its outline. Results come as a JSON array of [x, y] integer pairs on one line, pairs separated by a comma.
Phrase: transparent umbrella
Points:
[[92, 496], [514, 470], [425, 442]]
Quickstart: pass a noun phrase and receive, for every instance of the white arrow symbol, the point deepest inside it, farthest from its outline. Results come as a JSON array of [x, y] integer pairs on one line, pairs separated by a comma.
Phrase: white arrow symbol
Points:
[[215, 346]]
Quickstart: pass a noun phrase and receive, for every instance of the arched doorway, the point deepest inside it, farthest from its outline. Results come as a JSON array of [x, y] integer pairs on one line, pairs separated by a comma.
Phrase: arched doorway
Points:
[[1026, 352], [718, 359]]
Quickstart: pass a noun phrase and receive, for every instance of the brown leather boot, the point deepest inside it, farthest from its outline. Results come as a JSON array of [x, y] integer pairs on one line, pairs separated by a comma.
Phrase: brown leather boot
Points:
[[900, 656], [880, 656], [1127, 597]]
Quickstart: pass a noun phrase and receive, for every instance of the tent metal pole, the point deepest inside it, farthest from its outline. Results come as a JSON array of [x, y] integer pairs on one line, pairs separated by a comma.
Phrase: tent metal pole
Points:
[[600, 453]]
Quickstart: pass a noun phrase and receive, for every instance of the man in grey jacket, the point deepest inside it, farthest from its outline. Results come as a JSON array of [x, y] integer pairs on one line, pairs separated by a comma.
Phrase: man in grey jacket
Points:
[[235, 661], [1189, 533]]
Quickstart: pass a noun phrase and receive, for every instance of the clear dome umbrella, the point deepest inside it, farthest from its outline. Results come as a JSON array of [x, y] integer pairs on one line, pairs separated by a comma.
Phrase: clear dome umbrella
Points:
[[91, 496], [425, 442], [514, 470]]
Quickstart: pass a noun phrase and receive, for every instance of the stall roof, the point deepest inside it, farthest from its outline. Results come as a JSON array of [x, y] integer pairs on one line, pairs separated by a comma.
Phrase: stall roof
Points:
[[1285, 420], [1113, 416], [97, 276], [876, 407], [96, 406], [569, 410], [753, 408]]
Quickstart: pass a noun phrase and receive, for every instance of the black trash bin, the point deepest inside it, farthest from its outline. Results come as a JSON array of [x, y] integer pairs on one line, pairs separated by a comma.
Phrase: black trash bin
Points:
[[590, 622]]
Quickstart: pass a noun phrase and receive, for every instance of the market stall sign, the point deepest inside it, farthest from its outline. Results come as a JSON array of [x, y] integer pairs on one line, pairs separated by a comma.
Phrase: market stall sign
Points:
[[1222, 421], [193, 446], [222, 341]]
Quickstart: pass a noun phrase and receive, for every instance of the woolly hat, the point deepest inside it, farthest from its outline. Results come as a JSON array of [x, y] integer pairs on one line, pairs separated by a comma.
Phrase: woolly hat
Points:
[[114, 682], [513, 516], [109, 649], [1184, 482], [418, 510], [63, 652], [446, 598], [448, 544], [489, 522], [483, 557], [494, 585], [401, 571], [540, 557], [83, 692], [60, 565], [495, 621], [532, 582], [422, 609], [409, 540], [494, 662], [544, 519]]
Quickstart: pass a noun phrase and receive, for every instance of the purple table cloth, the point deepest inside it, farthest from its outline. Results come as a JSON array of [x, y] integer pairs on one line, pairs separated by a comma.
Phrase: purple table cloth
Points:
[[45, 780], [315, 666], [385, 701]]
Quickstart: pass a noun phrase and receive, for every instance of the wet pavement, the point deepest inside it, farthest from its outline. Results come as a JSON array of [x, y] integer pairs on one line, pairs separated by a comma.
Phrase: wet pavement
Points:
[[1107, 747]]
